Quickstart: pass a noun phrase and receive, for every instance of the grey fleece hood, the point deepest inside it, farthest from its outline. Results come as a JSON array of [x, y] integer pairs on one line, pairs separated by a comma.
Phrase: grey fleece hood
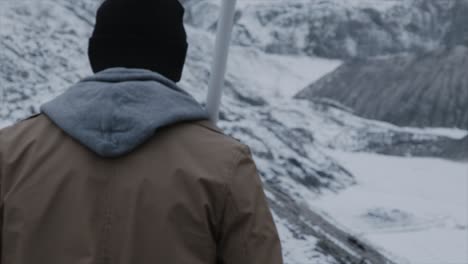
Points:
[[116, 110]]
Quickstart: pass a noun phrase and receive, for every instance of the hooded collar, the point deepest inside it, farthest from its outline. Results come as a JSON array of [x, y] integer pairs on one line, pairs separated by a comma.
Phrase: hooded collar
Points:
[[117, 110]]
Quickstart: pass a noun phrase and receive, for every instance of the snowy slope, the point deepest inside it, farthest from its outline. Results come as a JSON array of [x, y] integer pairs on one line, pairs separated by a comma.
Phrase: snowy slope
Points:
[[416, 209], [42, 44]]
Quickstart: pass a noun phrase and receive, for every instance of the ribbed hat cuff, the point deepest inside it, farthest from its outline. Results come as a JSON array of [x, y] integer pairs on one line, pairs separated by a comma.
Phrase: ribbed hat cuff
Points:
[[165, 57]]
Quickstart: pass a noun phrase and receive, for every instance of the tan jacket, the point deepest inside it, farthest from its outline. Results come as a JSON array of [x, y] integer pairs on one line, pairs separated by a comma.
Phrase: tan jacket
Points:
[[190, 195]]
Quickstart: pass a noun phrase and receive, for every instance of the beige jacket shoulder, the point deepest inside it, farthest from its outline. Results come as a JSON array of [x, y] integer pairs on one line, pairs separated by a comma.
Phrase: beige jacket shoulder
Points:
[[189, 195]]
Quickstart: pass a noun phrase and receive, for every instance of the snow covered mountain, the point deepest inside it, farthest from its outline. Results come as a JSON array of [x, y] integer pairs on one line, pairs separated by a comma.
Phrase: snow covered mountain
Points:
[[428, 90], [419, 46], [43, 51], [342, 28]]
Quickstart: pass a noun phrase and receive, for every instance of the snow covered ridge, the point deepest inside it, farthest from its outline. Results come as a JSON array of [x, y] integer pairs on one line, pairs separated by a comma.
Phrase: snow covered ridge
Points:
[[427, 90], [342, 28]]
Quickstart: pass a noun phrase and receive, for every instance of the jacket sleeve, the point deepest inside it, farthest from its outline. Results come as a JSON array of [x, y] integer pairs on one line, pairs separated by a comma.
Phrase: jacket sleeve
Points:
[[1, 196], [1, 167], [248, 232]]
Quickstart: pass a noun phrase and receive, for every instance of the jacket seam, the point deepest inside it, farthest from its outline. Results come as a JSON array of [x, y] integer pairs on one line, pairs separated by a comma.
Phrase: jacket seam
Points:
[[2, 254], [1, 171], [214, 129], [237, 159], [106, 226]]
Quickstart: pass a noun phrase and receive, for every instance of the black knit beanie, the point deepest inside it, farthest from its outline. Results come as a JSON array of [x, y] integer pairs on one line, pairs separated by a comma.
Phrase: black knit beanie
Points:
[[147, 34]]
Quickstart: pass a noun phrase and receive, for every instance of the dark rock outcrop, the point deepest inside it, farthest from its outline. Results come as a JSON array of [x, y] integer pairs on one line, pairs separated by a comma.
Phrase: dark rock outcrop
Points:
[[457, 150], [429, 90]]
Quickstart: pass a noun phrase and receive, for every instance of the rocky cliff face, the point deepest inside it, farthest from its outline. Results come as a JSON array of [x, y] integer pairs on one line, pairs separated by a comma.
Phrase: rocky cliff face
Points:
[[458, 150], [428, 90], [342, 28]]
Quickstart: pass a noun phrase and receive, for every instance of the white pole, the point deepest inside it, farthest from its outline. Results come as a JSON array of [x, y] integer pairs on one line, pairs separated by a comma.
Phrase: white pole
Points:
[[218, 70]]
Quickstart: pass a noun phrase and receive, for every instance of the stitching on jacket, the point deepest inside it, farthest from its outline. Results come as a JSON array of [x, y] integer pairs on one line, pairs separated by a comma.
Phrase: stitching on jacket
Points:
[[1, 172], [1, 202], [237, 159], [221, 216], [104, 256], [211, 128]]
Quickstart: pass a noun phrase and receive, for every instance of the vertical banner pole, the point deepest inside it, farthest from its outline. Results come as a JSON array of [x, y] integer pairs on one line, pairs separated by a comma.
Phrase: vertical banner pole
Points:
[[218, 70]]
